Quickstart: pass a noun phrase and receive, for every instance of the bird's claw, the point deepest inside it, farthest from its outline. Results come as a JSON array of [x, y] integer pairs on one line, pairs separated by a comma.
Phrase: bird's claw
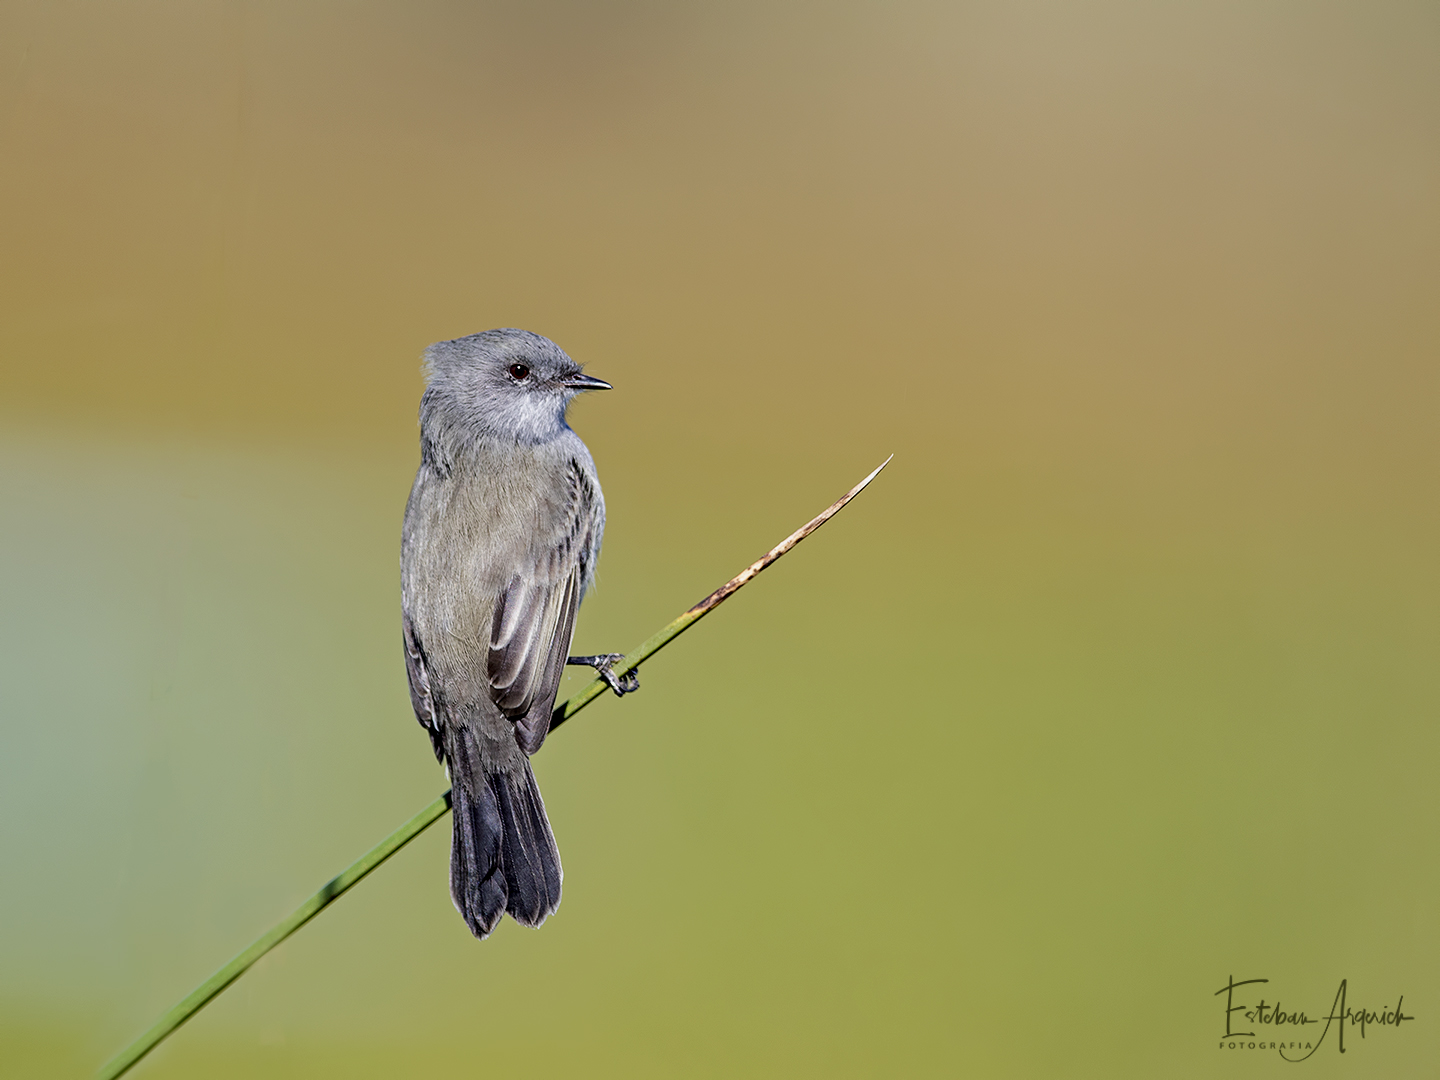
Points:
[[621, 684]]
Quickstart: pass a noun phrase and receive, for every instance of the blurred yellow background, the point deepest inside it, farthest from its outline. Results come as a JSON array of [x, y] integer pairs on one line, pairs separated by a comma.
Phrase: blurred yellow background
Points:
[[1119, 682]]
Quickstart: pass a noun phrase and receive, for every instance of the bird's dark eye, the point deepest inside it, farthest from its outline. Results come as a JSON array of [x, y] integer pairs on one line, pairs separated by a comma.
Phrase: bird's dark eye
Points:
[[519, 371]]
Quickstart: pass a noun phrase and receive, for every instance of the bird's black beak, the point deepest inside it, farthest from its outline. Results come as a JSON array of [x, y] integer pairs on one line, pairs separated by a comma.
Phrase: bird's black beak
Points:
[[581, 381]]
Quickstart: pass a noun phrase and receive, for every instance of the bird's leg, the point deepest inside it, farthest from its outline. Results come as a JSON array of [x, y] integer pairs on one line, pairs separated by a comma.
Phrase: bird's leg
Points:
[[621, 684]]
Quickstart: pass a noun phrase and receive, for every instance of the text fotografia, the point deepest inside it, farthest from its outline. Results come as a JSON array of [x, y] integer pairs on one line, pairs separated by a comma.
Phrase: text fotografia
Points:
[[1291, 1032]]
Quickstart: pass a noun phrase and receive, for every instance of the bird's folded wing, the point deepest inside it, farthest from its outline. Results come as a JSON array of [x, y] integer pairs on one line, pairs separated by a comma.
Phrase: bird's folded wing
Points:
[[420, 696], [534, 618], [534, 615]]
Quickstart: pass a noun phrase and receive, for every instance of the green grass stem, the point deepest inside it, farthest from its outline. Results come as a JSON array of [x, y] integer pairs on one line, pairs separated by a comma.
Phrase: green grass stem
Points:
[[337, 886]]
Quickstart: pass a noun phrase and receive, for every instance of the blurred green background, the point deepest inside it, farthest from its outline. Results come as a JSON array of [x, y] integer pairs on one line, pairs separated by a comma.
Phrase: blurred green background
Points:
[[1119, 681]]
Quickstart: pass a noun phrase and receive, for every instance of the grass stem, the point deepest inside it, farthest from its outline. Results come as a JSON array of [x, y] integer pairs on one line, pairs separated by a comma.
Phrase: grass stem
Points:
[[356, 872]]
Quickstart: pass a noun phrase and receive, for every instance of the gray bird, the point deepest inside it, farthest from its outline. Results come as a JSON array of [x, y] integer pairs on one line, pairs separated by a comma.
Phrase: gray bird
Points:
[[501, 535]]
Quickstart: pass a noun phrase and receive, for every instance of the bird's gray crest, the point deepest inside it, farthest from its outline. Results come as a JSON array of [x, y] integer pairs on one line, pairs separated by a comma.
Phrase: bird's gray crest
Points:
[[506, 384]]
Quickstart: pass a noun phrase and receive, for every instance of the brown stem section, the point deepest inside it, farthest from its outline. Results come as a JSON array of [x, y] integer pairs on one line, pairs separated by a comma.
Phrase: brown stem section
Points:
[[781, 548]]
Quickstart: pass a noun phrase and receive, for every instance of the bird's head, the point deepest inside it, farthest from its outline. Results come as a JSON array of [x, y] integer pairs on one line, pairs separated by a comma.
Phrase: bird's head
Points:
[[505, 384]]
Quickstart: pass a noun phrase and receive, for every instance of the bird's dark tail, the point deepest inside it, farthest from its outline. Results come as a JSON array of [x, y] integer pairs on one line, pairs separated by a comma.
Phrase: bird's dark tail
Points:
[[503, 856]]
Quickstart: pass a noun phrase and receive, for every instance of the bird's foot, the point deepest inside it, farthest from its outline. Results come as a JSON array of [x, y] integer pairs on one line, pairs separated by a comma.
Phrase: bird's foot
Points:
[[621, 684]]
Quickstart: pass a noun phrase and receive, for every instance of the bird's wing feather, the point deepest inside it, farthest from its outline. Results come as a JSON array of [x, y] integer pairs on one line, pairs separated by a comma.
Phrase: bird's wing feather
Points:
[[417, 668], [528, 617], [534, 615]]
